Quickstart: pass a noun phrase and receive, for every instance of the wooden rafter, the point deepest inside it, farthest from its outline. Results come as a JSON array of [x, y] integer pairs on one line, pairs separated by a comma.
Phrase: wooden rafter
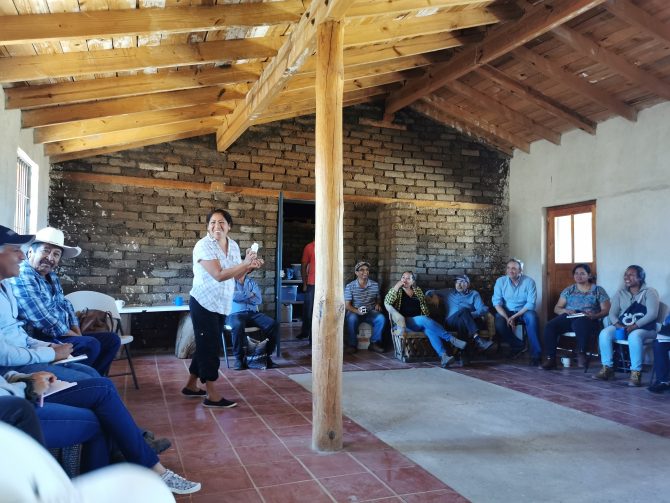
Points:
[[537, 20], [365, 8], [69, 64], [33, 28], [632, 14], [546, 103], [483, 101], [543, 65], [608, 58], [300, 44]]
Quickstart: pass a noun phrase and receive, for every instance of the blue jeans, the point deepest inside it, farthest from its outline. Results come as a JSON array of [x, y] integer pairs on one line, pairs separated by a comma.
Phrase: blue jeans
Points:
[[207, 327], [100, 347], [353, 320], [635, 346], [65, 372], [20, 413], [661, 361], [92, 413], [435, 333], [308, 310], [239, 321], [584, 329], [463, 323], [529, 319]]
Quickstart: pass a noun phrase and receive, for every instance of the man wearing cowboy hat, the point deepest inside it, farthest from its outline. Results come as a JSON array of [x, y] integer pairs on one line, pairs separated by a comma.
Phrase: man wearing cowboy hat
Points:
[[465, 311], [363, 305], [42, 303], [18, 351]]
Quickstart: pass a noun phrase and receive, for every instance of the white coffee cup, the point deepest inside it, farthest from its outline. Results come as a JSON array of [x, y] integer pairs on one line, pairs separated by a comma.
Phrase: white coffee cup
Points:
[[565, 361], [120, 304]]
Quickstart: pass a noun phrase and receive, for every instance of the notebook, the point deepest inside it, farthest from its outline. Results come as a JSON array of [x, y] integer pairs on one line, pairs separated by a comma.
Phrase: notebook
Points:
[[71, 359], [57, 386]]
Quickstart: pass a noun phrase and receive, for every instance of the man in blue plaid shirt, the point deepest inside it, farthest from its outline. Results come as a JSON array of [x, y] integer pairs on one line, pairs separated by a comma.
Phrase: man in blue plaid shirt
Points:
[[43, 306]]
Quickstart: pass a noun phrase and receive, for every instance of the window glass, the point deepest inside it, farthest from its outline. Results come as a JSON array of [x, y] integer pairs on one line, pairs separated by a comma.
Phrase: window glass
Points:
[[563, 240], [583, 229]]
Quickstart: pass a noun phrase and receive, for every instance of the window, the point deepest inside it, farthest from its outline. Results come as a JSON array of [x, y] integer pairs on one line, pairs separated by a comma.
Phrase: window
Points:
[[25, 215], [573, 238]]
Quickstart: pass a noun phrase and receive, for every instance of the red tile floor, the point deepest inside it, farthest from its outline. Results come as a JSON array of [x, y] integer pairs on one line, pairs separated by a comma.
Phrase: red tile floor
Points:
[[261, 451]]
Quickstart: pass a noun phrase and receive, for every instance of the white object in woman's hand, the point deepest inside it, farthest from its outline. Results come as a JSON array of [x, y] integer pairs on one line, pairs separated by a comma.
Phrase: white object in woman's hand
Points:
[[254, 247]]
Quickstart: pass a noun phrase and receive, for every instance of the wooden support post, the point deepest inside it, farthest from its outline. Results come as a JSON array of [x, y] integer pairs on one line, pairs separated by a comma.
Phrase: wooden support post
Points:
[[328, 318]]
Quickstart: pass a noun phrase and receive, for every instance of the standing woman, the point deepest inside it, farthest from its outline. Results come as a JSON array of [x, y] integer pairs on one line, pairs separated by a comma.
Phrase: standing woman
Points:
[[589, 302], [216, 264]]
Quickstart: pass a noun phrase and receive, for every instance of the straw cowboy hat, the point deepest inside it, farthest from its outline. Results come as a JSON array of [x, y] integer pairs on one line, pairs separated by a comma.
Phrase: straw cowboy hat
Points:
[[55, 237]]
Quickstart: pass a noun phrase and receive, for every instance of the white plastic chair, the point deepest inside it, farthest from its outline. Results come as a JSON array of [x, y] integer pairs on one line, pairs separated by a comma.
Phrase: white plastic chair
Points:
[[87, 299]]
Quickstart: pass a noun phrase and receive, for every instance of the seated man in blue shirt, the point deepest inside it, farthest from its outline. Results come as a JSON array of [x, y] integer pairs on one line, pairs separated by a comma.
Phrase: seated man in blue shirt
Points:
[[44, 308], [246, 299], [465, 311], [514, 297], [363, 305]]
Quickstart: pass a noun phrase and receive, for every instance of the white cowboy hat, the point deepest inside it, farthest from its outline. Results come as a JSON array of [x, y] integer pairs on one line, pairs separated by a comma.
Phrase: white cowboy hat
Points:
[[55, 237]]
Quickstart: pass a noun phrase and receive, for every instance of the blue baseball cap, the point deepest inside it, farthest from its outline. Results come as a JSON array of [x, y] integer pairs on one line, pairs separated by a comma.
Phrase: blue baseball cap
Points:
[[9, 237]]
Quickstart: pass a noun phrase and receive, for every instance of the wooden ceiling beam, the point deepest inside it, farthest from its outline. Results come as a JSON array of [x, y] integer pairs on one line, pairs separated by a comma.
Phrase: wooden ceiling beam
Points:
[[366, 8], [35, 28], [634, 15], [465, 116], [484, 101], [546, 103], [592, 50], [478, 134], [109, 108], [537, 20], [25, 68], [208, 124], [297, 48], [397, 29], [65, 93], [90, 127], [577, 84]]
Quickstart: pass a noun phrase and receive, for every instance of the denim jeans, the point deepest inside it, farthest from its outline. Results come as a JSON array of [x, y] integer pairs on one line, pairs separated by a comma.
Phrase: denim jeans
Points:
[[92, 413], [635, 346], [207, 327], [529, 319], [100, 347], [661, 361], [463, 323], [65, 372], [20, 413], [584, 329], [435, 333], [352, 322], [239, 321]]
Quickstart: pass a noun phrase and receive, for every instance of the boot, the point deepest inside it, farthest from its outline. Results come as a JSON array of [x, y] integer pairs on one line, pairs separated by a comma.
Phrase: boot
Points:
[[549, 363], [635, 378], [481, 344], [606, 373]]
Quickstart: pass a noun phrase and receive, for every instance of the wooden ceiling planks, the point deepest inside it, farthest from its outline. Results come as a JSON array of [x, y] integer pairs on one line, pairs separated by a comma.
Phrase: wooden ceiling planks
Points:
[[564, 64]]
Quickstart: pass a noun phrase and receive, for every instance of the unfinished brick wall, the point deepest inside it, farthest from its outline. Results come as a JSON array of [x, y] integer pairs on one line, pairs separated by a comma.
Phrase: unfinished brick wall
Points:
[[137, 242]]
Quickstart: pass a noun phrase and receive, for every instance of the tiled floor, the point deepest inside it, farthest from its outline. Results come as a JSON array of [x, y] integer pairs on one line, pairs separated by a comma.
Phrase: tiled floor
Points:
[[261, 450]]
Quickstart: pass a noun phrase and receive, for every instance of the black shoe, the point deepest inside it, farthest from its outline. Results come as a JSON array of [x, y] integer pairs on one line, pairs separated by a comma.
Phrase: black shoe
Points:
[[549, 363], [157, 445], [377, 348], [269, 363], [514, 353], [351, 350], [190, 393], [223, 403], [534, 361], [660, 387], [457, 343], [240, 364], [482, 345]]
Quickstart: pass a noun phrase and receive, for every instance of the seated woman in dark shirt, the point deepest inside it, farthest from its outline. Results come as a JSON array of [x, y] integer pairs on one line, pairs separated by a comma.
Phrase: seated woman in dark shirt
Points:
[[409, 300]]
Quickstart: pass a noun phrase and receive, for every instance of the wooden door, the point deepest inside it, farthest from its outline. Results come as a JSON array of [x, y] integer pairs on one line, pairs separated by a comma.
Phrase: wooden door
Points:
[[571, 240]]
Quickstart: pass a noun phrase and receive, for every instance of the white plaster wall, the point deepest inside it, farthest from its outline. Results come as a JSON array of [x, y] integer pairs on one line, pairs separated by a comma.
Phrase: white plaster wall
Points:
[[11, 138], [625, 167]]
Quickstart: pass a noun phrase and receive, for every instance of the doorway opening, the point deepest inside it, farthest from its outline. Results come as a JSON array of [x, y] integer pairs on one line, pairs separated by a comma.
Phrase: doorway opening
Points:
[[571, 240]]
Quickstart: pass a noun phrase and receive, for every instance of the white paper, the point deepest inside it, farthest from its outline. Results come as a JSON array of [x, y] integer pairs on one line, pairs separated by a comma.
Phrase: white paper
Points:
[[71, 359], [576, 315], [57, 386]]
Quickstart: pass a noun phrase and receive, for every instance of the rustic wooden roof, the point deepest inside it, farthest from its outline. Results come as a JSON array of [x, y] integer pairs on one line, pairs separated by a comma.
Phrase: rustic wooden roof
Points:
[[98, 76]]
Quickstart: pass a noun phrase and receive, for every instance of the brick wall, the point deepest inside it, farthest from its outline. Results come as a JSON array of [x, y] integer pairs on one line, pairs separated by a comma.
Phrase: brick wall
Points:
[[137, 241]]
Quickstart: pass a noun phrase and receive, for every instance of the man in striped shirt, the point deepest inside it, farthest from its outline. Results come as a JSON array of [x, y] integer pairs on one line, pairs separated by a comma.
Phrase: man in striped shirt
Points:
[[363, 305]]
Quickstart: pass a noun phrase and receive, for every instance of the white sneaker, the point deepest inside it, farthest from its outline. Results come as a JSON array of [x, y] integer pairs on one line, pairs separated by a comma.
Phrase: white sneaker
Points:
[[178, 484]]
